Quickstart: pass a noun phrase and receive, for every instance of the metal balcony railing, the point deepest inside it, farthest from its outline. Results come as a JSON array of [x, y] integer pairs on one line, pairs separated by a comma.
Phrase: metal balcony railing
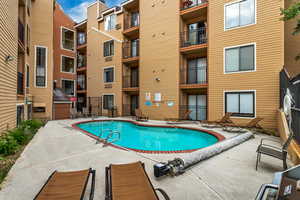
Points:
[[131, 20], [193, 37], [186, 4], [20, 83], [21, 31], [81, 39], [130, 82], [197, 112], [129, 109], [131, 49], [193, 75], [81, 82], [81, 61]]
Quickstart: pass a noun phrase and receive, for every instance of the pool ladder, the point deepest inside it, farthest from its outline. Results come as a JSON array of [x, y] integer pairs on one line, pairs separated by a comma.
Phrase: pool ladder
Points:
[[110, 135]]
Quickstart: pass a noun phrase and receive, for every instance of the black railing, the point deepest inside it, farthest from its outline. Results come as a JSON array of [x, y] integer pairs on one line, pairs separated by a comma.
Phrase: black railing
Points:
[[21, 32], [81, 61], [131, 20], [81, 82], [20, 88], [196, 112], [193, 37], [131, 49], [130, 81], [193, 75], [129, 110], [94, 107], [186, 4], [81, 38]]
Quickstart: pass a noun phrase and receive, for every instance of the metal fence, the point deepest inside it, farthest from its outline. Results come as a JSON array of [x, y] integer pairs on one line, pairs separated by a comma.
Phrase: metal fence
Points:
[[193, 37]]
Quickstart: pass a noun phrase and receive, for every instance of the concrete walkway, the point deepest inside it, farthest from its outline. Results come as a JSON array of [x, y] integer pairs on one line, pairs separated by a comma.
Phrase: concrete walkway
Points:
[[228, 176]]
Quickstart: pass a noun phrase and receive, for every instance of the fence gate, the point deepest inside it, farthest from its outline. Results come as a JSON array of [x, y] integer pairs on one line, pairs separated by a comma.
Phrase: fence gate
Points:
[[95, 106]]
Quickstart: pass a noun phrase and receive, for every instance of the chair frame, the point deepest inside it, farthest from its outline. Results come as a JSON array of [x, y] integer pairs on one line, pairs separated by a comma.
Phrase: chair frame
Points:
[[108, 185], [140, 117]]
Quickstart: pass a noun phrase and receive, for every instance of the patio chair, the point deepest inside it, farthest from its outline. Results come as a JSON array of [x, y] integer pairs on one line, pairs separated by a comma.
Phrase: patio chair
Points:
[[73, 113], [254, 123], [130, 182], [218, 123], [85, 112], [186, 116], [67, 186], [140, 116], [274, 151]]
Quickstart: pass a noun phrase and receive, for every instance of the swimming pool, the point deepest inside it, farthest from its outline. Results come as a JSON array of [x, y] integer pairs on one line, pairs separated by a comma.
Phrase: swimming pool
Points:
[[150, 139]]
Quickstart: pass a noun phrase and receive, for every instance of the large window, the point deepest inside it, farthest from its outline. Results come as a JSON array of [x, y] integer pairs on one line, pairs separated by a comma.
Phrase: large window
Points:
[[238, 14], [67, 39], [81, 82], [108, 101], [134, 48], [108, 48], [68, 87], [135, 19], [67, 64], [40, 64], [108, 75], [196, 73], [110, 22], [240, 59], [240, 104]]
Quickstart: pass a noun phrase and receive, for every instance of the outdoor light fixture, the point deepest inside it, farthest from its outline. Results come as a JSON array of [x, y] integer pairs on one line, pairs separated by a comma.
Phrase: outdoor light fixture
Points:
[[157, 79], [8, 58]]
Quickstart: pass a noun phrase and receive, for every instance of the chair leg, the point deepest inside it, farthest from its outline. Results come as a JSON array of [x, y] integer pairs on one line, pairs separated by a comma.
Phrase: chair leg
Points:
[[284, 162], [257, 160]]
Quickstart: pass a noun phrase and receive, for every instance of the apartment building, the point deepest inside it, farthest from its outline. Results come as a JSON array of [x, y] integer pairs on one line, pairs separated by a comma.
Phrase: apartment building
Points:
[[170, 57], [64, 70]]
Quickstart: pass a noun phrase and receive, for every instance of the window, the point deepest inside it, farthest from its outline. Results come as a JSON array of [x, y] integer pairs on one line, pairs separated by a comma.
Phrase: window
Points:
[[68, 87], [134, 48], [67, 39], [41, 59], [27, 76], [240, 14], [67, 64], [20, 114], [81, 82], [110, 22], [108, 75], [196, 73], [240, 104], [108, 48], [81, 39], [240, 59], [135, 19], [39, 109], [108, 101]]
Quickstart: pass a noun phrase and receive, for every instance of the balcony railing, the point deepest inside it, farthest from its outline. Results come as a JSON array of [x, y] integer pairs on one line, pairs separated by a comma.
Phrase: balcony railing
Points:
[[81, 39], [81, 82], [81, 61], [129, 109], [131, 20], [193, 37], [20, 83], [21, 31], [193, 75], [186, 4], [197, 112], [131, 49], [130, 82]]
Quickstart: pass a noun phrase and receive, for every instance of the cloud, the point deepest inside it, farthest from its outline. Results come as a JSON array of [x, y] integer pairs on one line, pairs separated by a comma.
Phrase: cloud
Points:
[[79, 12]]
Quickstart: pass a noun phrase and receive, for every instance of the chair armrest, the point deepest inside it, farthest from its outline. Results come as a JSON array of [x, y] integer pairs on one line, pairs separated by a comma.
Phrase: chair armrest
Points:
[[270, 146], [263, 188], [270, 140], [163, 193]]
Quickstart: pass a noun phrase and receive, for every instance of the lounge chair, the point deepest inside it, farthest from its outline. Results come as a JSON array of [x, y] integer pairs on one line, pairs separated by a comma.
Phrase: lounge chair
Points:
[[186, 116], [274, 151], [140, 116], [67, 186], [254, 123], [85, 112], [218, 123], [130, 182]]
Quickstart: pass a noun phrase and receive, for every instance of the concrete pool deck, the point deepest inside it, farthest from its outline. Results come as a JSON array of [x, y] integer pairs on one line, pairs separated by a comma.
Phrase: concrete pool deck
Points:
[[228, 176]]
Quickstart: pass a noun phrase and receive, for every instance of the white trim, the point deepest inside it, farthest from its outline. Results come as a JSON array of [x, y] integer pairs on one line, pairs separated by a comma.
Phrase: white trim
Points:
[[255, 104], [108, 94], [106, 34], [20, 104], [61, 67], [61, 38], [80, 23], [74, 82], [112, 10], [46, 66], [232, 47], [233, 28], [114, 74]]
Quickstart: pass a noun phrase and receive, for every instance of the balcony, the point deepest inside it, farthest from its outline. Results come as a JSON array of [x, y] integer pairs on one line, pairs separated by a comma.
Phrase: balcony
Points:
[[21, 33], [130, 83], [131, 52], [81, 40], [20, 84], [193, 77], [81, 62], [193, 8], [81, 83], [129, 109], [194, 40], [131, 25]]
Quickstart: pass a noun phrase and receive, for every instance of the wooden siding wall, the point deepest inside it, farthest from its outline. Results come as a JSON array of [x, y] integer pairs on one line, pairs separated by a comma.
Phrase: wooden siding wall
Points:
[[8, 71]]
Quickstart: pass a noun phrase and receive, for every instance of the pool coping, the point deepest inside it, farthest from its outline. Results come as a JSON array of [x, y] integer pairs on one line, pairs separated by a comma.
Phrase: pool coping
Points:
[[219, 136]]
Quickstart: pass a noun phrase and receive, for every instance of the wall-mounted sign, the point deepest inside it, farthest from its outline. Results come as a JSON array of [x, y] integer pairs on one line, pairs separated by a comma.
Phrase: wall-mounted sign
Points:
[[157, 97], [148, 103], [148, 96], [170, 103]]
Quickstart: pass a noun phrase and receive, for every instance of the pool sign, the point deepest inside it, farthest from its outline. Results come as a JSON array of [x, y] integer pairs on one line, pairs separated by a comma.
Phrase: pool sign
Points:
[[148, 103], [73, 99], [170, 103]]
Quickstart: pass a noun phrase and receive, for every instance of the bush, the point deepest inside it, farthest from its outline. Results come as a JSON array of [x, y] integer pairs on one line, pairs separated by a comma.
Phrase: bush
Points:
[[19, 135], [8, 145], [31, 125]]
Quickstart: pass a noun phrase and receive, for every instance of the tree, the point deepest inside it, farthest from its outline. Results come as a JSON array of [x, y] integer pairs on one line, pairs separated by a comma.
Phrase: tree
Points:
[[293, 12]]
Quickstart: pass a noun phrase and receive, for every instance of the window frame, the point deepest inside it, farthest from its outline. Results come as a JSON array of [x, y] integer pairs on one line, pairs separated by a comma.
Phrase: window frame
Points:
[[104, 78], [239, 26], [240, 115], [61, 64], [109, 27], [108, 94], [35, 66], [61, 39], [113, 52], [74, 84], [239, 46]]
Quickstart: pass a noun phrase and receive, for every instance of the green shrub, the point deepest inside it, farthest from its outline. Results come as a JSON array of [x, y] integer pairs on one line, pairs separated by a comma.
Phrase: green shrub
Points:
[[19, 135], [8, 145], [31, 125]]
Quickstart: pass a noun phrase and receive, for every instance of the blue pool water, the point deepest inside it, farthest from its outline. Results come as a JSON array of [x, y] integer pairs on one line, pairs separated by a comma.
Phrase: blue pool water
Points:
[[150, 138]]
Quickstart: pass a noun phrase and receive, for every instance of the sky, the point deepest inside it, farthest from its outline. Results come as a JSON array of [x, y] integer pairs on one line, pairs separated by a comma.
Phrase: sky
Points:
[[77, 8]]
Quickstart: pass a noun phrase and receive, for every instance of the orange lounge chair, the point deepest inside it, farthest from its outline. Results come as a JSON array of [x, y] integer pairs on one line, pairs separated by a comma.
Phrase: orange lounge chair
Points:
[[140, 116], [186, 116], [224, 120], [130, 182], [254, 123]]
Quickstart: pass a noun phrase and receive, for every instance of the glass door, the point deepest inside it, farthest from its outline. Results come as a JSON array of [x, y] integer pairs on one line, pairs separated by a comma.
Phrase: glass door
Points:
[[197, 104]]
